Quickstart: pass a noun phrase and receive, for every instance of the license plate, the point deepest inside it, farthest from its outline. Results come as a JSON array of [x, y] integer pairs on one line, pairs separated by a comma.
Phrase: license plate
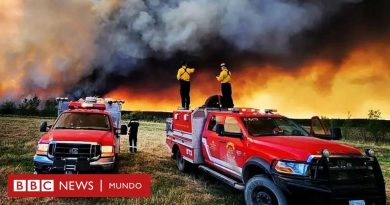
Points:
[[357, 202]]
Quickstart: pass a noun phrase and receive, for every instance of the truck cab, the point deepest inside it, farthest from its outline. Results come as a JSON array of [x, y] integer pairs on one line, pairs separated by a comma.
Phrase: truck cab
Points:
[[273, 159], [84, 137]]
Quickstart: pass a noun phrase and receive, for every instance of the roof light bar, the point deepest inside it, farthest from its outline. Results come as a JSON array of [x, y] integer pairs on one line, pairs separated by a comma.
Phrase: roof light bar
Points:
[[86, 105], [110, 101], [270, 111], [91, 99], [237, 110], [58, 99]]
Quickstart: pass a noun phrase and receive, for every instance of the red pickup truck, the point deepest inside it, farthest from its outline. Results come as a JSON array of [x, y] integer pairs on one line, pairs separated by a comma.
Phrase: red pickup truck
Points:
[[274, 160], [84, 137]]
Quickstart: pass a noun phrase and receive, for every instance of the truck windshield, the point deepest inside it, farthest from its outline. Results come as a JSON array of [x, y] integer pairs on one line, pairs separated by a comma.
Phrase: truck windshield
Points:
[[262, 126], [90, 121]]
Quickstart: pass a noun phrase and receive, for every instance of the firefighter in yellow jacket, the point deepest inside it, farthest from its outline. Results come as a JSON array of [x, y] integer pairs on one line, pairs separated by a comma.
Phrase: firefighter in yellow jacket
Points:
[[226, 88], [183, 75]]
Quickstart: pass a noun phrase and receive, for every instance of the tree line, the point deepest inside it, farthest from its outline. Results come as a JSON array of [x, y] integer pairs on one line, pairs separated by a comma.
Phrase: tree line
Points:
[[371, 129], [29, 107]]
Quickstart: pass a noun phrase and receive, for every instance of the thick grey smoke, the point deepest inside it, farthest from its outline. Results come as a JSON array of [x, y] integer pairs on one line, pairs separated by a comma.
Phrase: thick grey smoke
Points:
[[49, 46], [141, 27], [45, 46]]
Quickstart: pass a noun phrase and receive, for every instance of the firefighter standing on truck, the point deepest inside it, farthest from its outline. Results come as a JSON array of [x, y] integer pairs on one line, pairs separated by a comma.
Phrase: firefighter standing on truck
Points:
[[183, 75], [226, 88]]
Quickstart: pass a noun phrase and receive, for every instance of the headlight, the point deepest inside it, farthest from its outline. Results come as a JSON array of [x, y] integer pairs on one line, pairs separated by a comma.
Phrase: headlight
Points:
[[369, 152], [292, 168], [325, 153], [107, 151], [42, 149]]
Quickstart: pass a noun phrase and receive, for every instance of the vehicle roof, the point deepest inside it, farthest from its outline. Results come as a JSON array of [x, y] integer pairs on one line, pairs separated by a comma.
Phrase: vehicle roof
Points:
[[248, 114]]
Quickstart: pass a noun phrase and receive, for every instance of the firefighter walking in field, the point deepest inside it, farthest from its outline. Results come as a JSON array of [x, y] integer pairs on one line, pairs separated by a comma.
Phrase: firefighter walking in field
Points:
[[183, 75], [226, 88], [133, 133]]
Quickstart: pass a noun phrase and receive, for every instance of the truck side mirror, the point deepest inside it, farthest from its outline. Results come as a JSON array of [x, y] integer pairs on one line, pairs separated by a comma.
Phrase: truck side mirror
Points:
[[123, 129], [335, 133], [220, 129], [43, 127], [318, 129]]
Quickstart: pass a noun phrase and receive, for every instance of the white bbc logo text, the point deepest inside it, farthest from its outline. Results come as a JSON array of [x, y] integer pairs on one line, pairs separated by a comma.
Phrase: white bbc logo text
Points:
[[33, 185]]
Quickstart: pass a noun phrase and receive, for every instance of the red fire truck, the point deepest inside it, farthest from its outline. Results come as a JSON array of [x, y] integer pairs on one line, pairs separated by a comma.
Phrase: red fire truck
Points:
[[273, 159], [85, 136]]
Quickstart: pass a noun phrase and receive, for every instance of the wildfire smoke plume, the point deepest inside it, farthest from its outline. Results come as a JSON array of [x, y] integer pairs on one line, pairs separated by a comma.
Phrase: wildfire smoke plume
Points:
[[301, 57]]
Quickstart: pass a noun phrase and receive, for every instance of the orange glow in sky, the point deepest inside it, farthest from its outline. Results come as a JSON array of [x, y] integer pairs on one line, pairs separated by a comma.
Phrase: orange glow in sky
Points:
[[359, 83]]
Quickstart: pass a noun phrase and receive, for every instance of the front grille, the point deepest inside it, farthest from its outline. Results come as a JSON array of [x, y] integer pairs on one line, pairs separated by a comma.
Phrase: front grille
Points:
[[344, 171], [74, 150]]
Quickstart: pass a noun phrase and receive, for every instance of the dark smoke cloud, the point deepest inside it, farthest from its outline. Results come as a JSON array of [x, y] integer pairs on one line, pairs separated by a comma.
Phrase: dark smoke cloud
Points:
[[91, 47], [140, 29], [144, 41]]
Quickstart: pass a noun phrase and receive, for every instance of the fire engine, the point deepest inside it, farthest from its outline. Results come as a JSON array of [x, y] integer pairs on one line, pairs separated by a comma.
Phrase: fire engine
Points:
[[272, 159], [85, 136]]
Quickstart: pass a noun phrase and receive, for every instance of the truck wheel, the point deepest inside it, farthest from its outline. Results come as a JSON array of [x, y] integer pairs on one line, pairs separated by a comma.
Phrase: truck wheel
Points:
[[260, 190], [181, 163], [115, 168]]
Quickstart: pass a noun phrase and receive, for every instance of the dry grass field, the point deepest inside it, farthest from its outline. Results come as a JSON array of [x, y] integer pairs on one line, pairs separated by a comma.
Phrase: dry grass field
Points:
[[18, 138]]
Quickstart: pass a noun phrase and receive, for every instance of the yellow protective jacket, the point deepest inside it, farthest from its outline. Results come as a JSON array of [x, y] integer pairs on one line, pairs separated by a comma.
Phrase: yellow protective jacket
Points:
[[224, 76], [184, 73]]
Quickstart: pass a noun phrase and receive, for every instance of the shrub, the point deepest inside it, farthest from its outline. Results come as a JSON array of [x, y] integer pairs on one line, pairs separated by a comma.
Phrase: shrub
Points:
[[8, 107]]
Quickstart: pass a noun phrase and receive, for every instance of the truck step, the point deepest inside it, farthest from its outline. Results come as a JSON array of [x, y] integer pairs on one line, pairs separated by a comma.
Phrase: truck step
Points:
[[227, 180]]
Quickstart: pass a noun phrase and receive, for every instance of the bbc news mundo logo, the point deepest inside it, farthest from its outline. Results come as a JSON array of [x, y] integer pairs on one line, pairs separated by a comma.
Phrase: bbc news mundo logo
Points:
[[33, 185], [83, 185]]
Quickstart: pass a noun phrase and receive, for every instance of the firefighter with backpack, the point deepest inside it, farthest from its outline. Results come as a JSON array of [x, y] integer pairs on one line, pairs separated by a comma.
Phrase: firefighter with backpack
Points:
[[183, 76], [226, 88]]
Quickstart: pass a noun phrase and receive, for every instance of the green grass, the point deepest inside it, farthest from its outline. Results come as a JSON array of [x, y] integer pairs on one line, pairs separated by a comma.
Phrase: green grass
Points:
[[18, 138]]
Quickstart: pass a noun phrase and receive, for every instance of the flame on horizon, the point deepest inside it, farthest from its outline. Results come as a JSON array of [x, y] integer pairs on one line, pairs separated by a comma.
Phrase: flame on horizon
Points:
[[359, 83]]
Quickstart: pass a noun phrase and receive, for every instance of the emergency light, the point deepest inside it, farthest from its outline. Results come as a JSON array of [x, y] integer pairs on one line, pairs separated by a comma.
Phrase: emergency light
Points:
[[91, 99], [269, 111], [58, 99], [246, 110], [110, 101], [86, 105]]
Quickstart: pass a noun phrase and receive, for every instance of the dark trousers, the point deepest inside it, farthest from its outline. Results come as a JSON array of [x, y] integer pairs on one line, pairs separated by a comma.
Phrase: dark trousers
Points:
[[185, 93], [133, 143], [227, 100], [133, 133]]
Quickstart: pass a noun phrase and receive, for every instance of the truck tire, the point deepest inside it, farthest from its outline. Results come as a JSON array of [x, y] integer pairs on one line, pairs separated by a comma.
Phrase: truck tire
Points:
[[115, 168], [181, 163], [260, 190]]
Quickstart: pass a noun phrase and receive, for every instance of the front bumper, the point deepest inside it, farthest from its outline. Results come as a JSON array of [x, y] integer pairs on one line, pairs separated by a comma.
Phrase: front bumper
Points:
[[45, 164], [330, 184], [311, 192]]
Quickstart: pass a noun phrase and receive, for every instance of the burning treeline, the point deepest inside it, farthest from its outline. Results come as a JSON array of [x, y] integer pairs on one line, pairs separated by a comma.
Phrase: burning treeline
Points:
[[301, 57]]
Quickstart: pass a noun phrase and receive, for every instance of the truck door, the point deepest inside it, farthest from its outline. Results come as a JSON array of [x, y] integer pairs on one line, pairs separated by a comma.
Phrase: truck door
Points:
[[224, 150], [211, 139], [231, 145]]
